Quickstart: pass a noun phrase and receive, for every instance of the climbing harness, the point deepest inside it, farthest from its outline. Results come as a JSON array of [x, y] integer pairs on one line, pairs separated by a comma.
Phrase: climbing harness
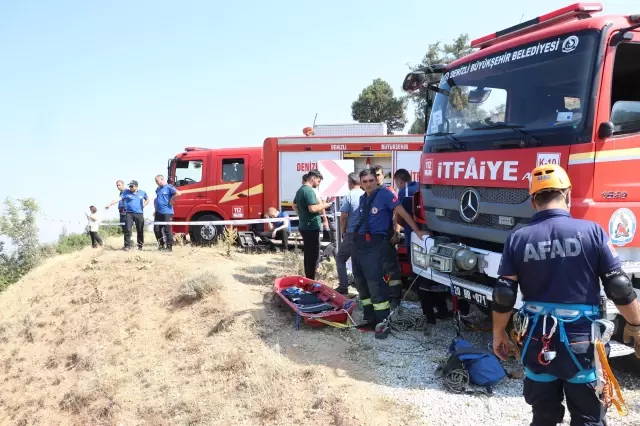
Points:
[[546, 355], [562, 313], [607, 387]]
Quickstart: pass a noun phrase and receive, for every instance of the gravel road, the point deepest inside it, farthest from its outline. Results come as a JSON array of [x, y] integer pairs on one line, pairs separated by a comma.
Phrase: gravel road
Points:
[[407, 363]]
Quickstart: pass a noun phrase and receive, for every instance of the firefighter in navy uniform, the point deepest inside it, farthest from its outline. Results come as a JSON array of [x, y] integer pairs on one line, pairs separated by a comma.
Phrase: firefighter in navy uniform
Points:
[[558, 262], [377, 206], [390, 262]]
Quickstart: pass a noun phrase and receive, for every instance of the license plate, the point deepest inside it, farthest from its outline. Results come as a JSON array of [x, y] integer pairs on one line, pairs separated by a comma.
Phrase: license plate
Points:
[[471, 295]]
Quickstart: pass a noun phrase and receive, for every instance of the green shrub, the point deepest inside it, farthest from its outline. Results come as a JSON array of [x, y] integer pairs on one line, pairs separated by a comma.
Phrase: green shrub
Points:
[[18, 226], [69, 243], [48, 250]]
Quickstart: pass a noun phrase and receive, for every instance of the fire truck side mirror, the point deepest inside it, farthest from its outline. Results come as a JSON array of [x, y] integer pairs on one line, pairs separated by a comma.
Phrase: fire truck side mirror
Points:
[[605, 130], [414, 81]]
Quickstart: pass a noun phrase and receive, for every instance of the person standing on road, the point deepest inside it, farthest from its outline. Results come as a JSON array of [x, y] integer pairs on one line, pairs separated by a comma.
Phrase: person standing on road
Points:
[[558, 263], [431, 301], [120, 202], [377, 206], [391, 264], [309, 212], [165, 197], [94, 226], [349, 215], [135, 200]]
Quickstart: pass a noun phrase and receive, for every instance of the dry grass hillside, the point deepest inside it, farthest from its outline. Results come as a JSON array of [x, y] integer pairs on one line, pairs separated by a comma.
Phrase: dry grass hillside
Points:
[[105, 337]]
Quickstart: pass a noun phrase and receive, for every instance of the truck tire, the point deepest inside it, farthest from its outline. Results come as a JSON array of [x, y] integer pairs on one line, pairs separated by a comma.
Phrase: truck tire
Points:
[[205, 234]]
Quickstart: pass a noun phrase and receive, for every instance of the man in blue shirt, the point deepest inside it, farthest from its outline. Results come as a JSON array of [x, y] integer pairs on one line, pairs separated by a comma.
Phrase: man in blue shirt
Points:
[[558, 262], [135, 200], [349, 215], [165, 197], [281, 230], [377, 206], [431, 301]]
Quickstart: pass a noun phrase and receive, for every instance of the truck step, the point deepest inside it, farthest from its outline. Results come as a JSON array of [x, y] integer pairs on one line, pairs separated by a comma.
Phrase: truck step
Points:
[[612, 311], [631, 266], [618, 349]]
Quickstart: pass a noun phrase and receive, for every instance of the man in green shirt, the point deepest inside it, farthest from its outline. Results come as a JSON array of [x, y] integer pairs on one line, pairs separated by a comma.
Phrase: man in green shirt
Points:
[[309, 211]]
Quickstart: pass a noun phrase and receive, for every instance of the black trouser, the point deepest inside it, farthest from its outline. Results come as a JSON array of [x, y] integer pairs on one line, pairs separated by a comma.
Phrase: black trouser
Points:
[[164, 234], [311, 250], [95, 239], [366, 259], [391, 267], [123, 221], [282, 235], [138, 219], [546, 397]]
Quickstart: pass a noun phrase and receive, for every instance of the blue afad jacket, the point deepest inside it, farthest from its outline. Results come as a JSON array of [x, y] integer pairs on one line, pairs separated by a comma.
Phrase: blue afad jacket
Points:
[[558, 261]]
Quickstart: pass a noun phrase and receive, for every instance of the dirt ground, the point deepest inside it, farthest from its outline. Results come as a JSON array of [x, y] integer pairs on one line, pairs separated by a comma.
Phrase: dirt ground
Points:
[[105, 337]]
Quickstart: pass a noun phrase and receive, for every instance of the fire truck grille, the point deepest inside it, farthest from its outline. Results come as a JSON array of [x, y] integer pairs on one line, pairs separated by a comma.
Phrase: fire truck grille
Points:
[[487, 195], [482, 221]]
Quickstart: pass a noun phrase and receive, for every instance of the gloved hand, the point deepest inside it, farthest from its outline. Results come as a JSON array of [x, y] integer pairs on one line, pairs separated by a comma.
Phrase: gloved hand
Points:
[[632, 333]]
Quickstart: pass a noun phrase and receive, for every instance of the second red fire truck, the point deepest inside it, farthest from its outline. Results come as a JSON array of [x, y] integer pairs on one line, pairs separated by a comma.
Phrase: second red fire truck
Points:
[[563, 89]]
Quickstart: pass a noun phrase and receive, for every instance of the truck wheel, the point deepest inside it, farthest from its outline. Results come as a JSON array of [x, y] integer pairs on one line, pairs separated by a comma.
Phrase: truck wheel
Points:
[[205, 234]]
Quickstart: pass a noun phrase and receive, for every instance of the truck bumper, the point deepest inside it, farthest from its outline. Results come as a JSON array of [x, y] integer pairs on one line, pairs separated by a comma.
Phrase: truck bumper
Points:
[[458, 285], [419, 249]]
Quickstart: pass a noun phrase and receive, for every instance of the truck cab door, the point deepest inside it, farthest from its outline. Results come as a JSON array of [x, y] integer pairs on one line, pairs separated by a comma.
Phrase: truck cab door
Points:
[[617, 140], [233, 186], [190, 178]]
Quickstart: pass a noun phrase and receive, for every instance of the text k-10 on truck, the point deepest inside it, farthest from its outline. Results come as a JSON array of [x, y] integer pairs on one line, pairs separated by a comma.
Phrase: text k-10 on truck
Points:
[[241, 183], [562, 88]]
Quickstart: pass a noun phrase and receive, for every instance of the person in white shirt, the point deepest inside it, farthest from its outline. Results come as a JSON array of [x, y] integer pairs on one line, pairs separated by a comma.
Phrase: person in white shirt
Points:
[[94, 226]]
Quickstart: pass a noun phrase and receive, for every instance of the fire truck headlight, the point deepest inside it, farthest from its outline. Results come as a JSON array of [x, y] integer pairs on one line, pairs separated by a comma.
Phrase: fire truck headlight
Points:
[[418, 256]]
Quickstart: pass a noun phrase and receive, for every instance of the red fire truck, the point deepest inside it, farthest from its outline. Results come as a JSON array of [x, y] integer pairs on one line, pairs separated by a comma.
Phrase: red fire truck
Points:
[[562, 88], [241, 183]]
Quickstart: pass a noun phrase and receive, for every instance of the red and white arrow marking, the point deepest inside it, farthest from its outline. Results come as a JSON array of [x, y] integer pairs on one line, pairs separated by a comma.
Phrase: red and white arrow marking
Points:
[[335, 173]]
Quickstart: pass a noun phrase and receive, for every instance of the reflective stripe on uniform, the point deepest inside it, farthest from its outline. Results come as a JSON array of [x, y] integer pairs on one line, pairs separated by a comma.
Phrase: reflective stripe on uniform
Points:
[[366, 302], [395, 282], [381, 306]]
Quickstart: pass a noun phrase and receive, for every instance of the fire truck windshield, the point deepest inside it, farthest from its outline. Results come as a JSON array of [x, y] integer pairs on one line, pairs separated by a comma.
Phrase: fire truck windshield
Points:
[[540, 89]]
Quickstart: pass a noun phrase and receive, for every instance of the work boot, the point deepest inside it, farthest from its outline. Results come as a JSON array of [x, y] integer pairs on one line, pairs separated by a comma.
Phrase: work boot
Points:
[[382, 320], [169, 248], [368, 320], [342, 291], [383, 332], [161, 247]]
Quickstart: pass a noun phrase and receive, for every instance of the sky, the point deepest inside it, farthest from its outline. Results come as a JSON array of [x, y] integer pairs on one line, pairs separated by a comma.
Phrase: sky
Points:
[[95, 91]]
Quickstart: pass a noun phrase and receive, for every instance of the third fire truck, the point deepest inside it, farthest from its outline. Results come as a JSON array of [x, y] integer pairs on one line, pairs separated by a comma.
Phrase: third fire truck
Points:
[[563, 88], [241, 183]]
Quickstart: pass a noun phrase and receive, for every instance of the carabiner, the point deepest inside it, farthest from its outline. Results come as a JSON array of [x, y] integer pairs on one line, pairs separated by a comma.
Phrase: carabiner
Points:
[[546, 356]]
